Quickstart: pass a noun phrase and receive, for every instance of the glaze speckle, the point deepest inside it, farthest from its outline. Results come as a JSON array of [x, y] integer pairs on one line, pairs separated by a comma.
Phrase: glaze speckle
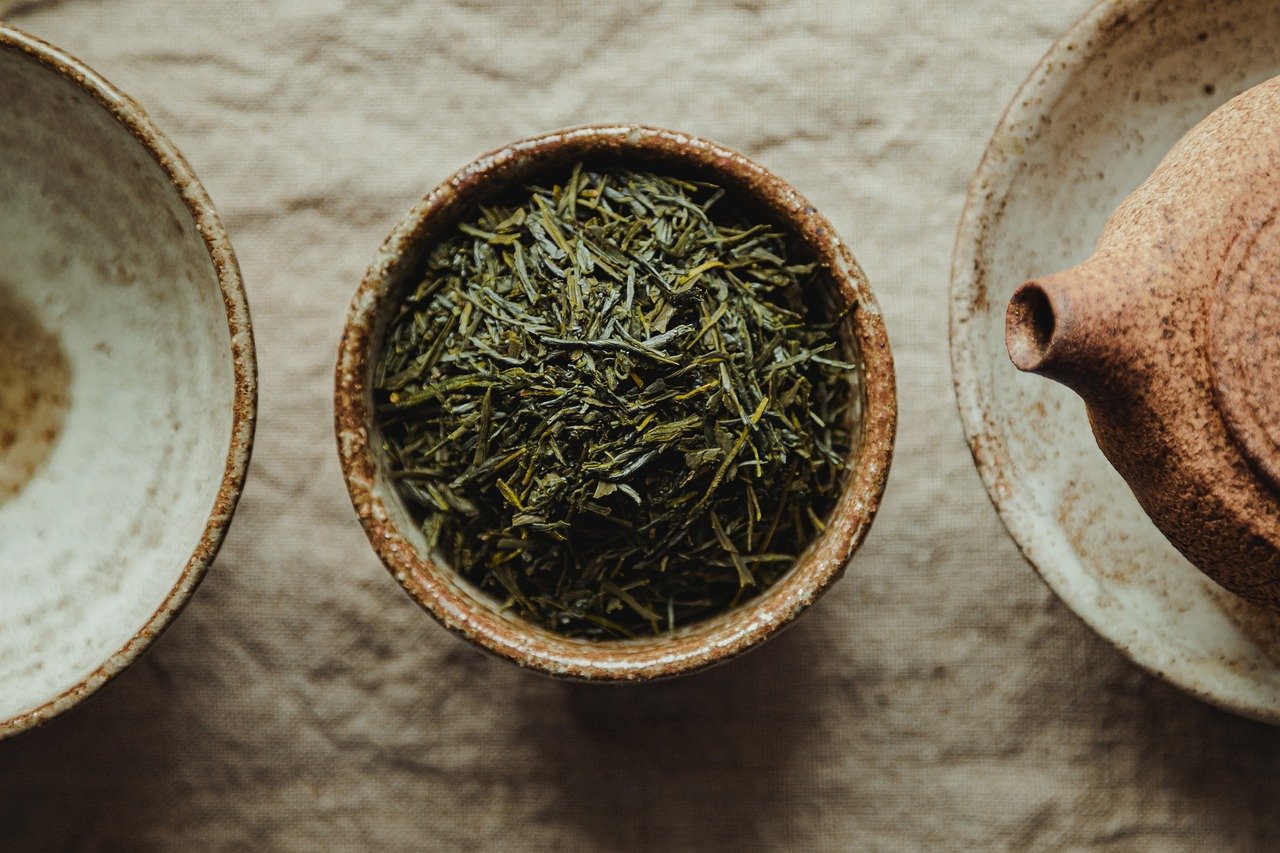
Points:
[[34, 391]]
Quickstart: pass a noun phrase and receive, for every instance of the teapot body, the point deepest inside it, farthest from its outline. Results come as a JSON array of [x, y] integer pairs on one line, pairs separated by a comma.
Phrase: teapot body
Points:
[[1171, 335]]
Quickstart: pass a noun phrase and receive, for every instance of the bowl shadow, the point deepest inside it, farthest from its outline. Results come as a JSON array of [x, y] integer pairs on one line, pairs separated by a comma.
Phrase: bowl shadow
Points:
[[89, 779], [715, 760], [135, 763]]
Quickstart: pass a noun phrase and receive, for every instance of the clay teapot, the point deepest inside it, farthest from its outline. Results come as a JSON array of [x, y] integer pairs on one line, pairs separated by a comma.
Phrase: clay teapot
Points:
[[1171, 335]]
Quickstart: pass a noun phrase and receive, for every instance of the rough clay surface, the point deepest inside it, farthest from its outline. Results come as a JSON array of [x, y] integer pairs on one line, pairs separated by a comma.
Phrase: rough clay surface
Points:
[[938, 697], [1165, 334]]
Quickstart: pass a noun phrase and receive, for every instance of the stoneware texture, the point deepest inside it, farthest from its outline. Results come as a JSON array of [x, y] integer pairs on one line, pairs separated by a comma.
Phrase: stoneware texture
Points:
[[939, 697], [457, 604], [126, 381], [1149, 331], [1170, 334]]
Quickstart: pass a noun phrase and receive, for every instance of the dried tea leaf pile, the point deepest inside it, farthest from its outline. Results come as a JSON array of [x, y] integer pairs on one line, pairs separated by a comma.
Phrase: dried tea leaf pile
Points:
[[611, 405]]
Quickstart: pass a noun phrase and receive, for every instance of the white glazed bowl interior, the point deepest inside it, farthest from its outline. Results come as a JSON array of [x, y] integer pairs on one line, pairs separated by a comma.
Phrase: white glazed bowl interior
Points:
[[1092, 122], [117, 403]]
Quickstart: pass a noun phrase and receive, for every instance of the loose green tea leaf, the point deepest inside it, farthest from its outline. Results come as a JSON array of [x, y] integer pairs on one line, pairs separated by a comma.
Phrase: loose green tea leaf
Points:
[[611, 405]]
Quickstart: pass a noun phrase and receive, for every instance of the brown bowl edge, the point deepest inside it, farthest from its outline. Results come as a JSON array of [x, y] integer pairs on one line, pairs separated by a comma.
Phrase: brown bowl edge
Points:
[[437, 589]]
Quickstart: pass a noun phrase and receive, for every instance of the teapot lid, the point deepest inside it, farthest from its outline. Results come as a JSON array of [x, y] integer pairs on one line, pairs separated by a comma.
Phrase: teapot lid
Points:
[[1244, 343]]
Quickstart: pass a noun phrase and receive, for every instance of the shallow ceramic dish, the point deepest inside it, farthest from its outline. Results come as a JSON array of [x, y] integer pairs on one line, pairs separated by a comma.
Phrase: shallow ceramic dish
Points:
[[1092, 122], [127, 381], [472, 614]]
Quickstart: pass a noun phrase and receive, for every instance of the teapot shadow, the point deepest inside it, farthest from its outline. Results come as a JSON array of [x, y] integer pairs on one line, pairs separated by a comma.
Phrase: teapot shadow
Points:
[[1178, 748], [1198, 755]]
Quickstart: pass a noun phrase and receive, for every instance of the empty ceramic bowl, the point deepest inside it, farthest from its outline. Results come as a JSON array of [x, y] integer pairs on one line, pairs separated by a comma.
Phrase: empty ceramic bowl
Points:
[[127, 381], [475, 615]]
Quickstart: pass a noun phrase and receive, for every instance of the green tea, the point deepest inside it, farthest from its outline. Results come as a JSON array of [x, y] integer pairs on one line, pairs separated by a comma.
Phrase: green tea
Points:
[[616, 403]]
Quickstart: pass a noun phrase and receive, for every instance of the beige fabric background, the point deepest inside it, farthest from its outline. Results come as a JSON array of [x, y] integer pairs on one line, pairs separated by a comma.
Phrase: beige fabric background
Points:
[[939, 697]]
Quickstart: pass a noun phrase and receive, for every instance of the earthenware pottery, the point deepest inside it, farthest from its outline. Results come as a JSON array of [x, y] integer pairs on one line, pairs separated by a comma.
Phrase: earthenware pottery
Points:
[[471, 614], [127, 381], [1161, 328], [1171, 334]]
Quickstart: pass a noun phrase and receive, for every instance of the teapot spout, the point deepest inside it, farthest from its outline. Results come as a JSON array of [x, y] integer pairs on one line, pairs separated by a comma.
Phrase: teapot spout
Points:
[[1031, 327], [1072, 327]]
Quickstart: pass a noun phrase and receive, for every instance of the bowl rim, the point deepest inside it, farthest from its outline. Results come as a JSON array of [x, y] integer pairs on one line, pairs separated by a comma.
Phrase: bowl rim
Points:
[[702, 644], [1044, 85], [134, 119]]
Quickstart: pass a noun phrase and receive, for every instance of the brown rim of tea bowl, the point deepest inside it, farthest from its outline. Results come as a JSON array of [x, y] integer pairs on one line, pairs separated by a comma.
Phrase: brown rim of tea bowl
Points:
[[473, 614], [200, 232]]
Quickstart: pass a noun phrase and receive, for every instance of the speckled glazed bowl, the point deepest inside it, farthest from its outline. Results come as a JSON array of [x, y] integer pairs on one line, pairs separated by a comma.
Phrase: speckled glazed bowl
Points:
[[1103, 108], [127, 381], [457, 604]]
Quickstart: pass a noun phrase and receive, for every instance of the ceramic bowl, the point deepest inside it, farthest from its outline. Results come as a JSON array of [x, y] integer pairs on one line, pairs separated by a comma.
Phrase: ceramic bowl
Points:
[[127, 383], [474, 615], [1092, 122]]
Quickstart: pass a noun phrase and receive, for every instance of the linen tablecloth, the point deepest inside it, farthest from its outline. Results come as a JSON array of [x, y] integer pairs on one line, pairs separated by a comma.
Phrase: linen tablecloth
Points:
[[939, 696]]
